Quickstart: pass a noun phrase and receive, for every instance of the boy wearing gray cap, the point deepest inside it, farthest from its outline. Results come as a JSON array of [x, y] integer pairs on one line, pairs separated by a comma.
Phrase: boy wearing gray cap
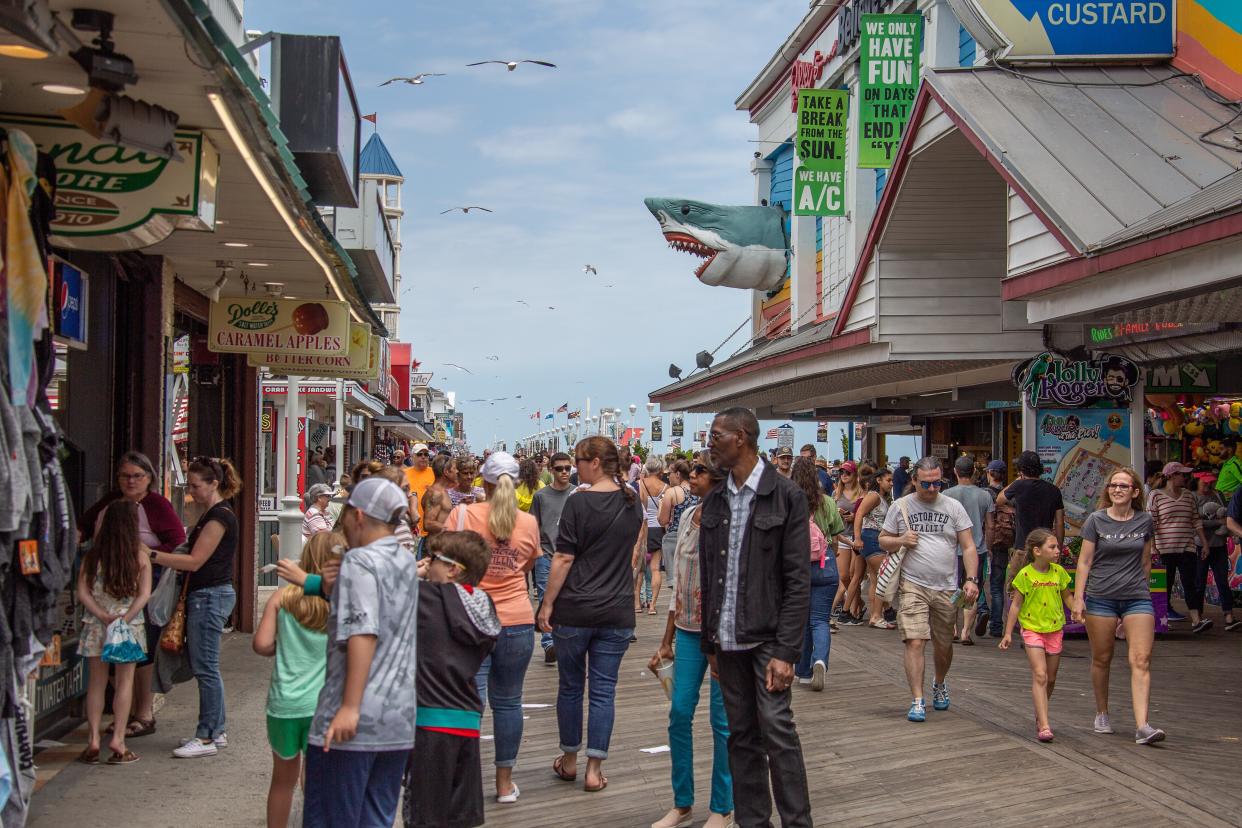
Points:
[[364, 723]]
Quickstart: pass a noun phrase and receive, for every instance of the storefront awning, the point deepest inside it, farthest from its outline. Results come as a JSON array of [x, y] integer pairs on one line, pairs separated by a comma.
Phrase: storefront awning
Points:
[[407, 428]]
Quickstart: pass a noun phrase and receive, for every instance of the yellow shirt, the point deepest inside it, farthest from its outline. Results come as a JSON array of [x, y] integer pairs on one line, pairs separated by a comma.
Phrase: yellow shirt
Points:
[[1043, 609], [525, 496]]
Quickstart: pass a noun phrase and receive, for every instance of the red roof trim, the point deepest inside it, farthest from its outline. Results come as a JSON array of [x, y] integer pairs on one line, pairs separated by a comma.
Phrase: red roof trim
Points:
[[825, 346], [1064, 273], [885, 207]]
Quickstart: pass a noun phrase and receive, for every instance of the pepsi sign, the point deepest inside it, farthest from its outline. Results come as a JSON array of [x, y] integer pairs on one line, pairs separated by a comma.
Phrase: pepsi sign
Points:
[[70, 294]]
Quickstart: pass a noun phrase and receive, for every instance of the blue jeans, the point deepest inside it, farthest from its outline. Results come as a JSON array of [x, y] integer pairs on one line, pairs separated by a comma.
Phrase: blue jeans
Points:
[[817, 640], [599, 650], [352, 788], [499, 680], [688, 668], [207, 610], [543, 565], [997, 564]]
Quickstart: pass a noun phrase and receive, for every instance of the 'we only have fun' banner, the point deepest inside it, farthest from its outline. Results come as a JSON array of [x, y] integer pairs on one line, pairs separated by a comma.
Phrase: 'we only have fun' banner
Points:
[[888, 83]]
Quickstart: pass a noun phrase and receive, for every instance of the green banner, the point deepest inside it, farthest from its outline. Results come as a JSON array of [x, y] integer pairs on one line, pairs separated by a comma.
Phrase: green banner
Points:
[[887, 84], [819, 181]]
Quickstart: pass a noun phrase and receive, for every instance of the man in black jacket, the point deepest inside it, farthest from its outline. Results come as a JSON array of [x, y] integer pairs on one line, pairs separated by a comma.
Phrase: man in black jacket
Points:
[[754, 549]]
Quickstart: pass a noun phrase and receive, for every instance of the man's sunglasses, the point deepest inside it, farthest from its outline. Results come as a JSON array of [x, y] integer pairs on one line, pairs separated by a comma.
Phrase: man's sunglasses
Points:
[[928, 485], [562, 469], [422, 454]]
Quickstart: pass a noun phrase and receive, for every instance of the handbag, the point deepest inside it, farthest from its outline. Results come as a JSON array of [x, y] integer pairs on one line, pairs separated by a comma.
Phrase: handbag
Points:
[[173, 638], [120, 645], [889, 577], [164, 596]]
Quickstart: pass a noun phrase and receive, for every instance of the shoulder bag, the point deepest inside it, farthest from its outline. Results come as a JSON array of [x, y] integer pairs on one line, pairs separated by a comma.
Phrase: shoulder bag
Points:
[[172, 639], [890, 570]]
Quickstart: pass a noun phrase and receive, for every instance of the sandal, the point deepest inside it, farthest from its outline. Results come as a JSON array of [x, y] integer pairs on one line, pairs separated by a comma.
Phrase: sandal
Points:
[[126, 758], [558, 767], [967, 642], [603, 783], [882, 625], [144, 728], [89, 757]]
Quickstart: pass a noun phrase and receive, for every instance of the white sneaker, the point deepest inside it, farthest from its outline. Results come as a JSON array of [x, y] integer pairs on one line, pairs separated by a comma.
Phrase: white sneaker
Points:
[[818, 673], [221, 741], [194, 748]]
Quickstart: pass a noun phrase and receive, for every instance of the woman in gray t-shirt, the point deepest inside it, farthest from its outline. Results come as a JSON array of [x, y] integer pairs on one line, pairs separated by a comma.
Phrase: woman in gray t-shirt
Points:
[[1111, 583]]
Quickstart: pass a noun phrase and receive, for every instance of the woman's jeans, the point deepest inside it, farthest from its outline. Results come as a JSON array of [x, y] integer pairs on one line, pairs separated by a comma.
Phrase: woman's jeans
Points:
[[688, 668], [598, 650], [817, 641], [207, 611], [1217, 561], [500, 680]]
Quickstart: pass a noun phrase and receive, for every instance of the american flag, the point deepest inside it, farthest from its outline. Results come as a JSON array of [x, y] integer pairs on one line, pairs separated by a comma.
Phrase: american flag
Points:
[[562, 408], [573, 415], [772, 433], [675, 443], [535, 416]]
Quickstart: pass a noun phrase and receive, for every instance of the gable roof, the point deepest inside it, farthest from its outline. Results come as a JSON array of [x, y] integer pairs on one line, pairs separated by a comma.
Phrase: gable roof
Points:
[[1104, 156], [375, 159]]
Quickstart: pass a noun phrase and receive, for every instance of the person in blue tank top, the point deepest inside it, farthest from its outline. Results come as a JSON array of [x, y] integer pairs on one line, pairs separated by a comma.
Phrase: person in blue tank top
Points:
[[294, 631]]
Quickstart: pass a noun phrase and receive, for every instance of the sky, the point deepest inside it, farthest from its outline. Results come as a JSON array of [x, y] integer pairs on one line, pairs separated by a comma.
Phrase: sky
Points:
[[640, 104]]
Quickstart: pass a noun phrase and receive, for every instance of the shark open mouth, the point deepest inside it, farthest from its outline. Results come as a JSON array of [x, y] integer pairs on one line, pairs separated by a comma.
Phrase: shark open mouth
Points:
[[689, 244]]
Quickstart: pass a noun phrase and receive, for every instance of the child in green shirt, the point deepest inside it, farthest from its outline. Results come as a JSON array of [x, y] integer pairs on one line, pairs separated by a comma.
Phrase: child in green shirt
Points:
[[1041, 593]]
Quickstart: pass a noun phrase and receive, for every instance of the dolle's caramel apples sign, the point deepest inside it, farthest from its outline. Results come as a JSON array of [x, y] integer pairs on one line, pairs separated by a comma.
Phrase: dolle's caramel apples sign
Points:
[[246, 325]]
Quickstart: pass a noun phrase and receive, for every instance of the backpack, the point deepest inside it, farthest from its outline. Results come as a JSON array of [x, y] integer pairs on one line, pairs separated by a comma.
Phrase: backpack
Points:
[[819, 545], [1004, 526]]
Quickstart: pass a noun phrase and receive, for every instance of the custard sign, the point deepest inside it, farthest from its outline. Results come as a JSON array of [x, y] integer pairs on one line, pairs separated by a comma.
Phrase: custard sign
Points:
[[1071, 29], [250, 325], [110, 197]]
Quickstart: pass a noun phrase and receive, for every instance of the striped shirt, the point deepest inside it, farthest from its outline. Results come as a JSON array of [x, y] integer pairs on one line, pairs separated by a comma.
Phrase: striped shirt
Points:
[[1177, 521], [314, 522]]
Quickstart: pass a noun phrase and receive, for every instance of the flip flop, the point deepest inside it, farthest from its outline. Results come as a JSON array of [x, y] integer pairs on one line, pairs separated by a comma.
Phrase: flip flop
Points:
[[144, 728], [126, 758], [558, 767], [89, 757], [967, 642], [603, 783]]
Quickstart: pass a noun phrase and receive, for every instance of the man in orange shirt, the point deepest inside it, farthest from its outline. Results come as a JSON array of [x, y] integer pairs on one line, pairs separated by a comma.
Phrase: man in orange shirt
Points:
[[420, 476]]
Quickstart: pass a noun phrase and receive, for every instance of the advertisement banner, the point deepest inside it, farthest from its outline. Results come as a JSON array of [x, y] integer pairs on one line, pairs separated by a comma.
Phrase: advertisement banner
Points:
[[1071, 29], [821, 432], [361, 362], [249, 325], [888, 80], [785, 437], [657, 429], [1080, 448], [70, 301], [819, 181]]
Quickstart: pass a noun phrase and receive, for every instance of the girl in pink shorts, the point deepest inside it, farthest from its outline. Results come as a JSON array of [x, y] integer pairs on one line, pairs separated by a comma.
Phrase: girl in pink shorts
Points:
[[1041, 593]]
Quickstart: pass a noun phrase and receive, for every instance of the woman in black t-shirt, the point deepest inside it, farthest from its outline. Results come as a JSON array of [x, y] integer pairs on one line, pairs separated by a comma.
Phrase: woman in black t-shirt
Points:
[[587, 604], [210, 597]]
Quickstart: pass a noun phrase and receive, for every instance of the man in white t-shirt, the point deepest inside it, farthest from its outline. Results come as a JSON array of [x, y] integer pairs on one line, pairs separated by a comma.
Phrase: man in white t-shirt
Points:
[[938, 525]]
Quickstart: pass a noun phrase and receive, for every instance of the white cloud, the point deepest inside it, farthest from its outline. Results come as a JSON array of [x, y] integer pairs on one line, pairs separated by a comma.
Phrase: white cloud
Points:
[[543, 144]]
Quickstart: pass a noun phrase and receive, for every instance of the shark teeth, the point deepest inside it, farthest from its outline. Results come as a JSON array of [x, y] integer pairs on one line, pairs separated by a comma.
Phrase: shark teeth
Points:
[[689, 245]]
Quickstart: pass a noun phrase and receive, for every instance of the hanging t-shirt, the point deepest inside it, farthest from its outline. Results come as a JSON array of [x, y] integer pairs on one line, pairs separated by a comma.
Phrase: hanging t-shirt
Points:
[[1043, 603], [505, 581], [932, 563], [1117, 568]]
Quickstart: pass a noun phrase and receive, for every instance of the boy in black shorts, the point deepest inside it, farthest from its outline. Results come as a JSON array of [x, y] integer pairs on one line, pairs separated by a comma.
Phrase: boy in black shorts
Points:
[[457, 627]]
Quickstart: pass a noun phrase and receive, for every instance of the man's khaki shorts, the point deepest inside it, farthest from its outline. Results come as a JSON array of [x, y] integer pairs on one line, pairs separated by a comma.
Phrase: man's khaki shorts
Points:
[[926, 614]]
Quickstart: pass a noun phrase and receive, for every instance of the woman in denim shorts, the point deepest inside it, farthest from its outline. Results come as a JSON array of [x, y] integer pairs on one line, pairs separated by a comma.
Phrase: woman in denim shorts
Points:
[[1114, 569]]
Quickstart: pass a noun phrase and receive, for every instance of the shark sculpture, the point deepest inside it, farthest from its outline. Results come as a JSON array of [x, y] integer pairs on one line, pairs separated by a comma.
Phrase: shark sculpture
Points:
[[742, 247]]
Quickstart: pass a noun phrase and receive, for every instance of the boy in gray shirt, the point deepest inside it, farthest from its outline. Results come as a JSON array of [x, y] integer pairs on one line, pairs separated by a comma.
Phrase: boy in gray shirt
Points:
[[981, 507], [363, 728]]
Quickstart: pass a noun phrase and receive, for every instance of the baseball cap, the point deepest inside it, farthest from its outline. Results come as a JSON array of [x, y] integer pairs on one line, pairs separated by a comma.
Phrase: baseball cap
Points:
[[379, 499], [318, 490], [499, 463], [997, 466], [849, 466], [1175, 468], [784, 451], [1209, 476], [420, 447]]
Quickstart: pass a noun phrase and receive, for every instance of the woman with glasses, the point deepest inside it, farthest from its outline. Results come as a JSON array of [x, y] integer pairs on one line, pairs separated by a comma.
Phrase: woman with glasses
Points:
[[679, 497], [158, 528], [689, 665], [848, 493], [210, 597], [1111, 583], [587, 605], [513, 537], [466, 491]]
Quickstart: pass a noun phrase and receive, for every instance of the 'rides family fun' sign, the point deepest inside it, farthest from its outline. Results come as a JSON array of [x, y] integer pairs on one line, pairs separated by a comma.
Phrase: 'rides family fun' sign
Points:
[[1048, 381]]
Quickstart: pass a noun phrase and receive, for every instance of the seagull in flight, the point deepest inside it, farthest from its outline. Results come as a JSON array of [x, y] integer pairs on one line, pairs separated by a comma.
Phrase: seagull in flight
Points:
[[416, 80], [590, 269], [458, 367], [465, 209], [513, 64], [523, 302], [493, 358], [551, 308], [607, 286]]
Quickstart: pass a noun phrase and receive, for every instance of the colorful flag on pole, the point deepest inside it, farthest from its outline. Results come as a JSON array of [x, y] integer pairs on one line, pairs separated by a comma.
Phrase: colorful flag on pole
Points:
[[573, 415], [547, 416], [773, 433], [373, 118], [563, 408], [675, 443]]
